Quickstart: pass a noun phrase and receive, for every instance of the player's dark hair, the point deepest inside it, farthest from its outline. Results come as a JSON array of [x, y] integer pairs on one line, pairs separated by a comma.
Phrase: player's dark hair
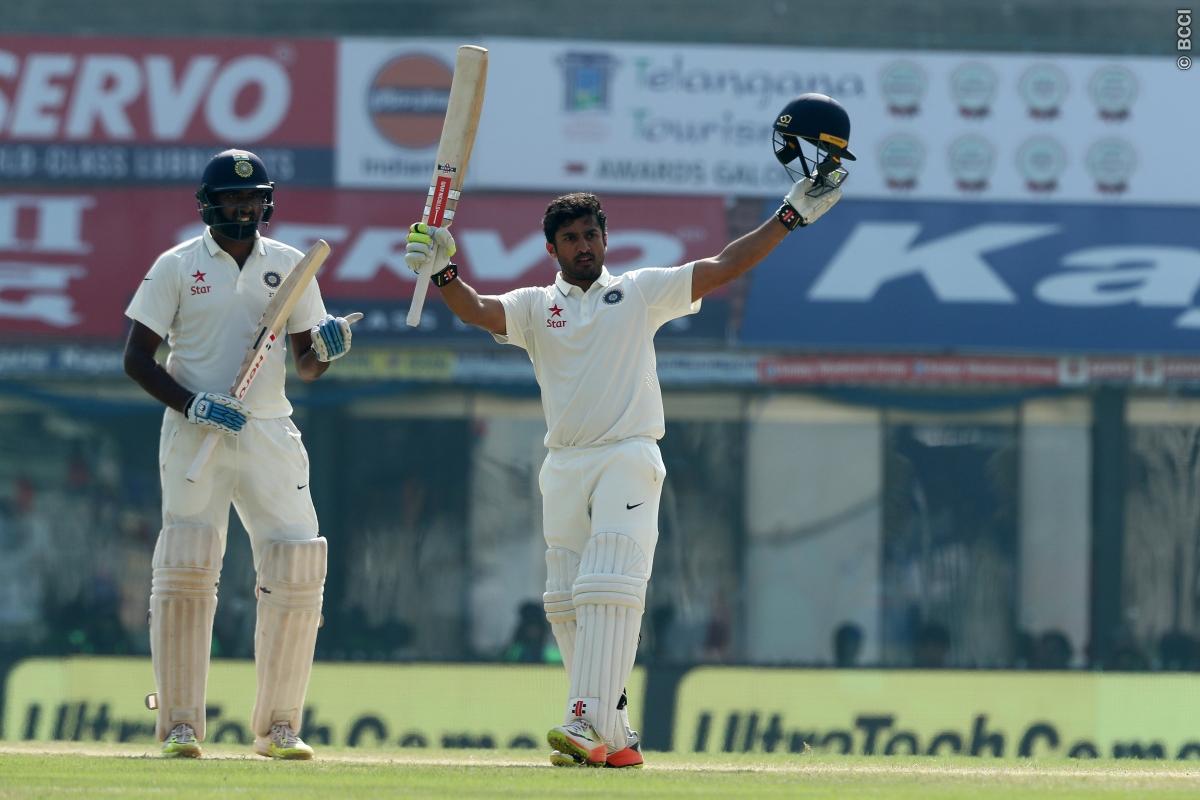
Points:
[[568, 208]]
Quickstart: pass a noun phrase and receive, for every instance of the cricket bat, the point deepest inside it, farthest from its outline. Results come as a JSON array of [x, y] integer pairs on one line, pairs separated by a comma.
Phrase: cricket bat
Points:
[[453, 153], [270, 327]]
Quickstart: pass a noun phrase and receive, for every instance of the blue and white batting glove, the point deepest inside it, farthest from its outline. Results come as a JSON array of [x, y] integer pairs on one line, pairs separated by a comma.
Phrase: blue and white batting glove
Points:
[[425, 242], [219, 411], [331, 336]]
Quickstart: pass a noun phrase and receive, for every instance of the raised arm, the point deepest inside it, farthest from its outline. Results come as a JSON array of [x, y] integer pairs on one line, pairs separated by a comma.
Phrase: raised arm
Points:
[[800, 207], [482, 311]]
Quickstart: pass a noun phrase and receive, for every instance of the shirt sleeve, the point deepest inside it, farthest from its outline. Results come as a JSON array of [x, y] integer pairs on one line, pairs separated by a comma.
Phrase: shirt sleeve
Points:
[[667, 291], [309, 311], [518, 315], [156, 300]]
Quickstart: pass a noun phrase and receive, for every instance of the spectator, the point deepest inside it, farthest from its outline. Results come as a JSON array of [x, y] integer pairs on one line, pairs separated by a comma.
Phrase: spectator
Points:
[[1052, 651], [932, 647], [531, 643], [1177, 652], [847, 645]]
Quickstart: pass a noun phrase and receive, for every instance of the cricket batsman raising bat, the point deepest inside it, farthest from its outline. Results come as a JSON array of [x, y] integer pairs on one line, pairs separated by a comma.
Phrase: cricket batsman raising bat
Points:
[[453, 153], [226, 301], [590, 336]]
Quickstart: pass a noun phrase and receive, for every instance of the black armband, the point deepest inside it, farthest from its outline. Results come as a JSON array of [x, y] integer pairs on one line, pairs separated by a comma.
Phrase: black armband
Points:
[[789, 216], [450, 273]]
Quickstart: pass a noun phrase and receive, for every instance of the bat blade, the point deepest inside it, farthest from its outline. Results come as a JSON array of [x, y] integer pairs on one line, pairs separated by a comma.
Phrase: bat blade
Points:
[[453, 154], [270, 327]]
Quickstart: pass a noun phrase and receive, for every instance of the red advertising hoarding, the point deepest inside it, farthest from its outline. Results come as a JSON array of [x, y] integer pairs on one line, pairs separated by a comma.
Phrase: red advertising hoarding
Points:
[[70, 260], [124, 110]]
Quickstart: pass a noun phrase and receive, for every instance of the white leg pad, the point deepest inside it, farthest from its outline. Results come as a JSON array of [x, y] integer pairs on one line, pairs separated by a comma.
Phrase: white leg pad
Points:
[[291, 585], [183, 602], [562, 567], [609, 596]]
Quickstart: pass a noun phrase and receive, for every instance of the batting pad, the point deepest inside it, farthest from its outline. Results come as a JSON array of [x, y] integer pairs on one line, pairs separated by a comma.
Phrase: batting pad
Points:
[[562, 566], [291, 584], [609, 596], [183, 602]]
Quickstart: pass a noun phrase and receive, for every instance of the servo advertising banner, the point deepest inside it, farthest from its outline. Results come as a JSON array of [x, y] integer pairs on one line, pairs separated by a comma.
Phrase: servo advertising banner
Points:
[[109, 110]]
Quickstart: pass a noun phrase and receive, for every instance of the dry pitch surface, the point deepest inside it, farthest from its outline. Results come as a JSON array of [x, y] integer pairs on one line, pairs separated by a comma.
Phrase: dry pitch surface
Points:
[[67, 770]]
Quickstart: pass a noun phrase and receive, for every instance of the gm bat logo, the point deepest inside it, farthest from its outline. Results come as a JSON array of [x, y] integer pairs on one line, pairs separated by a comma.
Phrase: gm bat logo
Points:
[[437, 204], [447, 168], [259, 358]]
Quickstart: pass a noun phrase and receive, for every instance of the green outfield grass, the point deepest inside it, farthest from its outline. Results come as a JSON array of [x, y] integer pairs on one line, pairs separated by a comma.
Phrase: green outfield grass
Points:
[[102, 771]]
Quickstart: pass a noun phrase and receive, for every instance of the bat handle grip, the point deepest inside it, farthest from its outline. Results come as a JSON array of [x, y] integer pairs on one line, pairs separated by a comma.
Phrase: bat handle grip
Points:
[[420, 290], [202, 455]]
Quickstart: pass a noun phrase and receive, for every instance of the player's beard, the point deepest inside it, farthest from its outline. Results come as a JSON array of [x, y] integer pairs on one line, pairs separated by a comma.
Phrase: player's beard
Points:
[[238, 230], [587, 271]]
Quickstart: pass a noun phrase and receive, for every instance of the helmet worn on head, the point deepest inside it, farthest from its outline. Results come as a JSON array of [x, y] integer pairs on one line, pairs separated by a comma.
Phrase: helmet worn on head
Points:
[[233, 170], [821, 122]]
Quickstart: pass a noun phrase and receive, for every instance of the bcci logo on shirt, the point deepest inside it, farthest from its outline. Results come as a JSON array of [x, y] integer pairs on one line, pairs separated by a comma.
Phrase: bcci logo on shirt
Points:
[[613, 296]]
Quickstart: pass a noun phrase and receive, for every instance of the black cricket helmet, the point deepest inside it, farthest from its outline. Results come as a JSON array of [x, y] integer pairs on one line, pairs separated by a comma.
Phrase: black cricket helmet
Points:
[[233, 170], [822, 122]]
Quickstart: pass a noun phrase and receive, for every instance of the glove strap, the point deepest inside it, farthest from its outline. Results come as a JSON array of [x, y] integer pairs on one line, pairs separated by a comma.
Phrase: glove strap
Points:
[[447, 275], [789, 216]]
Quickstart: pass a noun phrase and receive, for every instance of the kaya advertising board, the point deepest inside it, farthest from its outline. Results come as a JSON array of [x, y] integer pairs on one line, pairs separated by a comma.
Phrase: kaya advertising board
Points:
[[989, 714], [997, 277], [109, 110], [678, 119], [435, 707], [68, 265]]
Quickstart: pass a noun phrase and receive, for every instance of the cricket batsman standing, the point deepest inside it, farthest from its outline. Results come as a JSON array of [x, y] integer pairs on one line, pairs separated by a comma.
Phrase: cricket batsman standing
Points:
[[205, 296], [590, 337]]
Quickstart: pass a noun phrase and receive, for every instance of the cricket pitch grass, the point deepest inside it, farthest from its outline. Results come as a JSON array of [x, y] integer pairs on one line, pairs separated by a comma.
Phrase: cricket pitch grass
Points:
[[91, 770]]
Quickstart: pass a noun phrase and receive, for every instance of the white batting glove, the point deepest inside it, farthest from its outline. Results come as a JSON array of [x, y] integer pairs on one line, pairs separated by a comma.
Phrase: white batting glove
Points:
[[421, 240], [331, 336], [804, 204], [221, 412]]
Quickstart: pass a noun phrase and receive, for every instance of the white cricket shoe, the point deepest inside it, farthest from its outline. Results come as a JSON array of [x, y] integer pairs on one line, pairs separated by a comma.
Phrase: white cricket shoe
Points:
[[181, 742], [282, 742], [580, 741]]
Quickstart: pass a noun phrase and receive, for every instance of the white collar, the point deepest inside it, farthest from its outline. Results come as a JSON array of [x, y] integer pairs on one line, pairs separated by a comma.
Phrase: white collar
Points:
[[604, 279]]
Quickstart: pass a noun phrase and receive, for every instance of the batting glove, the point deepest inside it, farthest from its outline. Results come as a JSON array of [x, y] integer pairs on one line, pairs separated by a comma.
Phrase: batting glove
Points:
[[219, 411], [428, 241], [805, 203], [331, 336]]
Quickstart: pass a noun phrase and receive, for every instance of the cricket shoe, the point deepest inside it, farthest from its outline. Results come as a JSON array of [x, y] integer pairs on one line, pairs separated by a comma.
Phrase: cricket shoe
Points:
[[628, 756], [580, 741], [282, 742], [181, 742]]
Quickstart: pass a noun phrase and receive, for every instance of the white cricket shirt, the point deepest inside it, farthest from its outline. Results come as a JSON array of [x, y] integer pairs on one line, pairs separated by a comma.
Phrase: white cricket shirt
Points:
[[593, 351], [207, 309]]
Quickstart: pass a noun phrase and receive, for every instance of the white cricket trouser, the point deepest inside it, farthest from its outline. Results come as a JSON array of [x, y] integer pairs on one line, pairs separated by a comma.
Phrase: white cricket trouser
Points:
[[263, 472], [600, 511]]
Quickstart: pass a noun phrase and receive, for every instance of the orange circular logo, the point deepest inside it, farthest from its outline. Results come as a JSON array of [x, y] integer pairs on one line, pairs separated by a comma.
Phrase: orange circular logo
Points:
[[407, 99]]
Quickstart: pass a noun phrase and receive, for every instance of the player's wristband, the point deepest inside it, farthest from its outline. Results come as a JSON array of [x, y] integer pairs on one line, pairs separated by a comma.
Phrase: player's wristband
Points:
[[789, 216], [450, 273]]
